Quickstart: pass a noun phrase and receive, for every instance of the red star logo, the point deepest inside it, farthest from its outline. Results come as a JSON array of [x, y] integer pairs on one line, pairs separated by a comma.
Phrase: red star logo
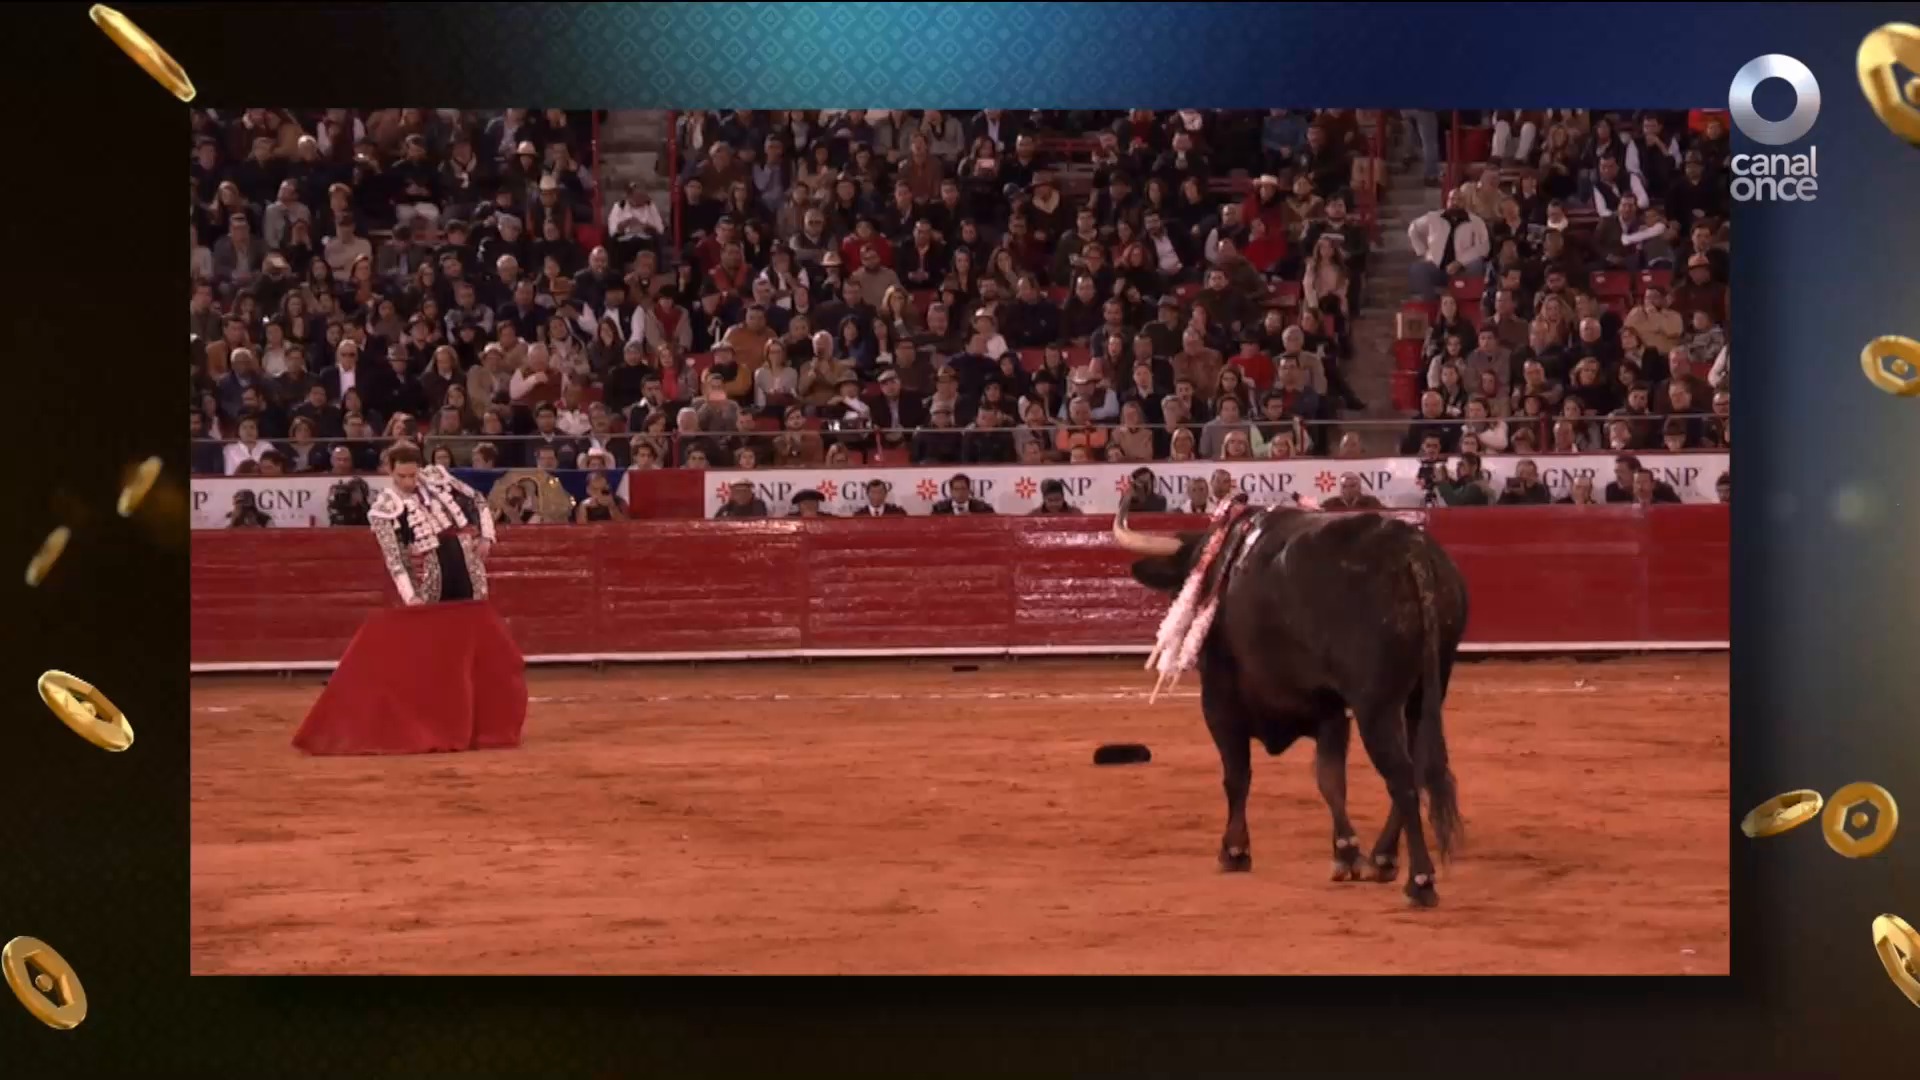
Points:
[[1122, 484], [1025, 487], [927, 489], [720, 490], [829, 488], [1326, 482]]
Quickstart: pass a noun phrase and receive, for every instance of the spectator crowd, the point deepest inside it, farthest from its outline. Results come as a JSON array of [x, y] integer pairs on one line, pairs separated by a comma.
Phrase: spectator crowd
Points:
[[1001, 286], [1575, 293]]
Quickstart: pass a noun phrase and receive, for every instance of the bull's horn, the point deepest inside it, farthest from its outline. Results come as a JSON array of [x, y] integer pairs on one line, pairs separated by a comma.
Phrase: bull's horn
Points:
[[1140, 543]]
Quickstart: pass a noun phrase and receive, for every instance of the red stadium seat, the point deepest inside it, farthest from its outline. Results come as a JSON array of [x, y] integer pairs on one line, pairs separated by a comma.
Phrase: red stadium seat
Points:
[[1284, 294], [922, 300], [1406, 355], [1611, 283], [1476, 144], [670, 385], [1057, 294], [1656, 279], [1031, 359], [855, 457], [1467, 290], [1078, 356], [1406, 390], [1186, 292], [1063, 146], [588, 236]]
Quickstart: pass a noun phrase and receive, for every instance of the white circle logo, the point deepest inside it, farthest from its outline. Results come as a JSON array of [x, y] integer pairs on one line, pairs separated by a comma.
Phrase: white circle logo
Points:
[[1806, 107]]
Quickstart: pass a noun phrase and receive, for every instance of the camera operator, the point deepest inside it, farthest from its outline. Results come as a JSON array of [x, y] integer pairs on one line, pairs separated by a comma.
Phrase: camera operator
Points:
[[1433, 468], [347, 503]]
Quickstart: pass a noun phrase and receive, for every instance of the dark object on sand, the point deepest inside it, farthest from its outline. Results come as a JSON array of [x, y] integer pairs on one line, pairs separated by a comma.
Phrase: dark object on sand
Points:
[[1122, 754]]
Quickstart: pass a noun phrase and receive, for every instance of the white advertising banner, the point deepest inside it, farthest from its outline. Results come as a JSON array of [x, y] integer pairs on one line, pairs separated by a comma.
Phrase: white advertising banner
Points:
[[300, 502], [1097, 489], [290, 502]]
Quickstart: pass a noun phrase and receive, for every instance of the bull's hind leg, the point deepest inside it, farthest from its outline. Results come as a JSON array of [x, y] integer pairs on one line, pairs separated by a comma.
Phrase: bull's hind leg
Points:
[[1384, 734], [1386, 850], [1330, 772], [1228, 727]]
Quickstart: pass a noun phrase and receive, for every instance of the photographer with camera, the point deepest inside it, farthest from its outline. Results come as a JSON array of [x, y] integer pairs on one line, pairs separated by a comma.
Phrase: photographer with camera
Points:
[[1432, 468], [1467, 487], [347, 502]]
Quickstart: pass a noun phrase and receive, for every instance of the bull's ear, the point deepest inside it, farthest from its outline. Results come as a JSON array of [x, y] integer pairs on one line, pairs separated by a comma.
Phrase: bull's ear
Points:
[[1167, 573]]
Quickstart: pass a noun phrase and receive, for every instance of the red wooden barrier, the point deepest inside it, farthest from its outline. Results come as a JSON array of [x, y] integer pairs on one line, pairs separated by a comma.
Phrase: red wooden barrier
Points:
[[1539, 578]]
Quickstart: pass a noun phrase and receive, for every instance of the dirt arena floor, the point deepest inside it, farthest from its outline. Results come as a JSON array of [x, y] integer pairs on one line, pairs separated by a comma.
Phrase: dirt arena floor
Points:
[[883, 817]]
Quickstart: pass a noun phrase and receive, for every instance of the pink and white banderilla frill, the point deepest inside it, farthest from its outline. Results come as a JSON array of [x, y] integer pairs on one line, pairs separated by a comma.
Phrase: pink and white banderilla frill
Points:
[[1185, 628]]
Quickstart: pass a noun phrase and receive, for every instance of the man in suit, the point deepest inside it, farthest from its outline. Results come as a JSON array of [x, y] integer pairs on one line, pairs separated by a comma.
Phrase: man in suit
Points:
[[1142, 498], [877, 504], [345, 374], [960, 500], [1351, 497]]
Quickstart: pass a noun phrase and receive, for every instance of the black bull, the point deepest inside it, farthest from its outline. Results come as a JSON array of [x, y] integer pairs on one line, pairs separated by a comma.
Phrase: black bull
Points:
[[1322, 613]]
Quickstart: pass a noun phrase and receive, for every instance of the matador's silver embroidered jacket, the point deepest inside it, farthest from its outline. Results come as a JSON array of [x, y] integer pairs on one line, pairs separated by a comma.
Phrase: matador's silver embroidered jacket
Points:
[[411, 526]]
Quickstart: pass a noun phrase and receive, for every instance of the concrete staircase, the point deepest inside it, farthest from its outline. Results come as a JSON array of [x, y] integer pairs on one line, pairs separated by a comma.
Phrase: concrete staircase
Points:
[[633, 146], [1373, 327]]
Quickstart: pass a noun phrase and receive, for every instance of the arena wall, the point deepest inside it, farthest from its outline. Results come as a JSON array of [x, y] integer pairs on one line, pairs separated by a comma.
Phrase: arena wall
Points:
[[1542, 579]]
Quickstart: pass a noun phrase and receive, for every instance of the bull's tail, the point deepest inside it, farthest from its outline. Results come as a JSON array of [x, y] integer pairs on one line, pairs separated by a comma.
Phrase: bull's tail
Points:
[[1429, 739]]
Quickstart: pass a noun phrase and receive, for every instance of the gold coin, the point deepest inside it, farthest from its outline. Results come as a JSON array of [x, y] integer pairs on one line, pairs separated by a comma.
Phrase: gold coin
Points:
[[1899, 949], [44, 982], [1833, 822], [1892, 44], [143, 50], [138, 485], [50, 548], [86, 710], [1781, 813], [1901, 376]]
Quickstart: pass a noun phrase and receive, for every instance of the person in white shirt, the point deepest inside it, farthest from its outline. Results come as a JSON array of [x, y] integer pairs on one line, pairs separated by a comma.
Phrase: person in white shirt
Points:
[[634, 218], [573, 419], [248, 447], [1447, 244]]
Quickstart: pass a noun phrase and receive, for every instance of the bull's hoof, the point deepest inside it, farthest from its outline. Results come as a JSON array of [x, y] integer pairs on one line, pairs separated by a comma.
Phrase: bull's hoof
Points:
[[1236, 860], [1420, 892], [1385, 869], [1347, 863]]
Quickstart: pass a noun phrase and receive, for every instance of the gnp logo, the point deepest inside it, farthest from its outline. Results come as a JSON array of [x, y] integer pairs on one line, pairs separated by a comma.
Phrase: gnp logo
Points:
[[1775, 177]]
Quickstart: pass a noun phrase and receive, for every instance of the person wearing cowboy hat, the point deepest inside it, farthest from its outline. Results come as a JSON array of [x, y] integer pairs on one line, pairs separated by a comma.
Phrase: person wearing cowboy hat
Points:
[[806, 504], [521, 172], [877, 504], [1267, 202], [550, 205]]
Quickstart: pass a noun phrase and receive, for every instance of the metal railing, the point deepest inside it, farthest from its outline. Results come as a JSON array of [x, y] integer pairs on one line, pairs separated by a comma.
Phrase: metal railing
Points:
[[897, 445]]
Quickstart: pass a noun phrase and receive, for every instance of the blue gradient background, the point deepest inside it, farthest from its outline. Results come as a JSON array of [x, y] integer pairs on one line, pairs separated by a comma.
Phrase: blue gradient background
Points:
[[1826, 603]]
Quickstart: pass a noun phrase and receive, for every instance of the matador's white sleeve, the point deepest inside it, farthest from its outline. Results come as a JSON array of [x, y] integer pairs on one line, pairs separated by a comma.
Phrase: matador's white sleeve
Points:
[[481, 510], [384, 517]]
